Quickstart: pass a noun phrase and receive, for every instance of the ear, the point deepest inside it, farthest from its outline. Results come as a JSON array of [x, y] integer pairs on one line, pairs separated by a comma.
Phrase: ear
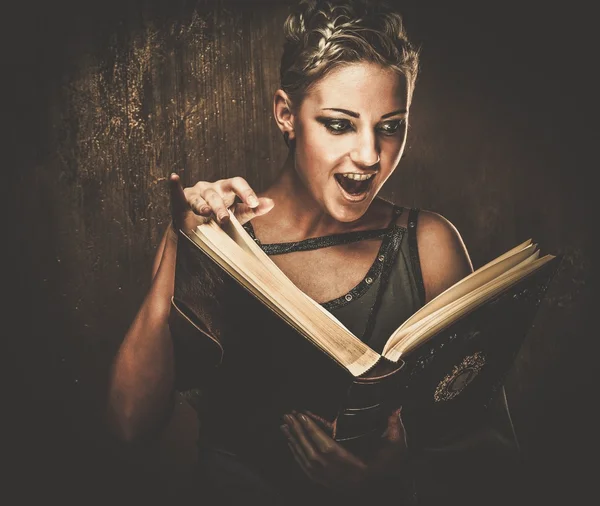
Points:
[[283, 113]]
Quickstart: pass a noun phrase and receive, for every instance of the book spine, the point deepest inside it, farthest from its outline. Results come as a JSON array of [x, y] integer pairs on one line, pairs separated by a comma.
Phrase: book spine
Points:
[[370, 401]]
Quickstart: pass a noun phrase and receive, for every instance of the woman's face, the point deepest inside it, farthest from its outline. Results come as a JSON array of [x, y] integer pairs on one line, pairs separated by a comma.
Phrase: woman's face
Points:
[[350, 132]]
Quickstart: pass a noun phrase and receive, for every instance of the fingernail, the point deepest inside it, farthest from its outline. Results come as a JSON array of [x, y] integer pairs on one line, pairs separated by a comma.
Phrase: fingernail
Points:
[[223, 216], [252, 201], [205, 209], [303, 417]]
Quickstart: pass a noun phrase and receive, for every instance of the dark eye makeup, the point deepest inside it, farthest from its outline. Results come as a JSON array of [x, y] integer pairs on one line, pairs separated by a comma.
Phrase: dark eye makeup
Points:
[[337, 126]]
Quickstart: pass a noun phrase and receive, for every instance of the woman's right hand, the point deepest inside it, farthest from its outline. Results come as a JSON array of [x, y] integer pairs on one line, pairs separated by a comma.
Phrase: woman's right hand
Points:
[[197, 204]]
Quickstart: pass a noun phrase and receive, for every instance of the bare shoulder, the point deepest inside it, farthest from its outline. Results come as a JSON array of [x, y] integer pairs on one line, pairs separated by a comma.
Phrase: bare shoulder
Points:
[[381, 213], [442, 253]]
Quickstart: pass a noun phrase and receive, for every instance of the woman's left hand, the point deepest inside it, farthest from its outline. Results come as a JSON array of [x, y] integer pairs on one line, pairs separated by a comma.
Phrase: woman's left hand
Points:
[[327, 462]]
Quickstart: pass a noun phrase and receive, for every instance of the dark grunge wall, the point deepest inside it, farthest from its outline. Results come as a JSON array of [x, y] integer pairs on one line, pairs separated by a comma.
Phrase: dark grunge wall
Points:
[[105, 99]]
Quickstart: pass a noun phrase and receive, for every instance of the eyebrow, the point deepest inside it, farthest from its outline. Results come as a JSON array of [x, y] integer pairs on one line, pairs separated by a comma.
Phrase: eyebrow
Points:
[[356, 115]]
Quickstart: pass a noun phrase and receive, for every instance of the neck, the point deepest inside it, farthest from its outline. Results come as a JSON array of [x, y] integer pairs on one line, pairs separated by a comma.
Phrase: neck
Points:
[[296, 208]]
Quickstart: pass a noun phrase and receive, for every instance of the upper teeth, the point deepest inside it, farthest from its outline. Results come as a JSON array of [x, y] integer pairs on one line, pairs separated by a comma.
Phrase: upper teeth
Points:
[[358, 177]]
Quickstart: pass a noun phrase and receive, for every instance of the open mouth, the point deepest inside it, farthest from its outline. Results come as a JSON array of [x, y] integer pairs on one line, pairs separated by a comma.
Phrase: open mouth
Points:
[[355, 184]]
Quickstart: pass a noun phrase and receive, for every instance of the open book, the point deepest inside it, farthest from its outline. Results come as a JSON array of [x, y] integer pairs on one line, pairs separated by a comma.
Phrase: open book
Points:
[[463, 340]]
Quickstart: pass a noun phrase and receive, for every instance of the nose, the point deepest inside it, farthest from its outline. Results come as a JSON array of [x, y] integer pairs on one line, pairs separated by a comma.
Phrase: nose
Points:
[[366, 152]]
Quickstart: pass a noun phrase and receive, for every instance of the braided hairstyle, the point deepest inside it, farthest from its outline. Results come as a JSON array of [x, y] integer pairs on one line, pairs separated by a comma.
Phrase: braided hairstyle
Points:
[[322, 34]]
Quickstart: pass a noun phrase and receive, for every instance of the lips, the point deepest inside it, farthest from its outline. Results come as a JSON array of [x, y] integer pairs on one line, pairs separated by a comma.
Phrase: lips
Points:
[[352, 186]]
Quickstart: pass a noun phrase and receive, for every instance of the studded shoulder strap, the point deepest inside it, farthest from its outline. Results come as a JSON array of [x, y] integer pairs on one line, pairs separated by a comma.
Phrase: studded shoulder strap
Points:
[[390, 259]]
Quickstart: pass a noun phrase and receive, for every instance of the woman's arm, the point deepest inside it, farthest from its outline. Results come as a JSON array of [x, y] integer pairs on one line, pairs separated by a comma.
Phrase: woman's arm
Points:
[[443, 256], [142, 378]]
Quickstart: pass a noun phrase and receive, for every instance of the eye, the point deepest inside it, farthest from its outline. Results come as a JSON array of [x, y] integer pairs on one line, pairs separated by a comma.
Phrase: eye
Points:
[[391, 127], [336, 126]]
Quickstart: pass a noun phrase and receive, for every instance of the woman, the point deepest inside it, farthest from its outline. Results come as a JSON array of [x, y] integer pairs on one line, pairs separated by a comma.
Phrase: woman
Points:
[[347, 79]]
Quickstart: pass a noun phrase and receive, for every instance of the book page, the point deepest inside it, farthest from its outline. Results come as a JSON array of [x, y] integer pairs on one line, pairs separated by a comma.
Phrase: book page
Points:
[[430, 325], [238, 234], [477, 278], [402, 333]]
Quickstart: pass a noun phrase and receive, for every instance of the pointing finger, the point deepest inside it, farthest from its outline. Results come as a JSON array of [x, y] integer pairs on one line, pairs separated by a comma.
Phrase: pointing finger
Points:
[[242, 189], [244, 213]]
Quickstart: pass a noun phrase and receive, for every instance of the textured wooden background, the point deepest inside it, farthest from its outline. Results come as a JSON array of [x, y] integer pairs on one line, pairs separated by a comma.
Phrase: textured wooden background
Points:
[[107, 100]]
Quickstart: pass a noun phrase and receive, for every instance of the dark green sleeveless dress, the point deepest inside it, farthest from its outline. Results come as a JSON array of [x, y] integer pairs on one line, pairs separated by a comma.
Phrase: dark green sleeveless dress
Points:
[[239, 461]]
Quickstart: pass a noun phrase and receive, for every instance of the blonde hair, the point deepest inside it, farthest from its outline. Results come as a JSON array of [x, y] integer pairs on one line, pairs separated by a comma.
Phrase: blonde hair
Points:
[[322, 34]]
